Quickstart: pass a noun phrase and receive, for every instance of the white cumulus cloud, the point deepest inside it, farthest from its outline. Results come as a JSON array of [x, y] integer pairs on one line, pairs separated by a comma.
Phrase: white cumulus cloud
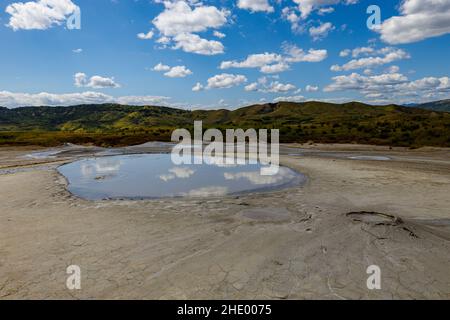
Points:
[[263, 85], [306, 7], [310, 88], [225, 80], [251, 87], [387, 55], [145, 36], [18, 99], [161, 67], [418, 20], [96, 82], [255, 5], [193, 43], [40, 15], [275, 63], [290, 99], [277, 86], [390, 87], [198, 87], [178, 72], [321, 31], [173, 72], [219, 34], [182, 20], [178, 17]]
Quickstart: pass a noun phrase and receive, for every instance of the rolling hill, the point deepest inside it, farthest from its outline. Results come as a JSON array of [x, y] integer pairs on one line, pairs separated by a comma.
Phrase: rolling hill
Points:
[[112, 124], [441, 105]]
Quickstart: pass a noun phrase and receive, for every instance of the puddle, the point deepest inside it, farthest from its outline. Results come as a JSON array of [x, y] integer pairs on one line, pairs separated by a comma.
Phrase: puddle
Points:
[[142, 176]]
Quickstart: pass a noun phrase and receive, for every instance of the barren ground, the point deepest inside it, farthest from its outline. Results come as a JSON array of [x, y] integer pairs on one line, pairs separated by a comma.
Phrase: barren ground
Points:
[[309, 242]]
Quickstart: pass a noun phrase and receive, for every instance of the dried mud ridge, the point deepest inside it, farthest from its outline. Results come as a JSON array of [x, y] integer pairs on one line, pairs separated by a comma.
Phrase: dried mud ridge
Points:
[[376, 219]]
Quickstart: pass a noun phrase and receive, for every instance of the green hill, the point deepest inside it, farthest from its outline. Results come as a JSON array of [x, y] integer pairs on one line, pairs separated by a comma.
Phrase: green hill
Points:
[[441, 105], [112, 124]]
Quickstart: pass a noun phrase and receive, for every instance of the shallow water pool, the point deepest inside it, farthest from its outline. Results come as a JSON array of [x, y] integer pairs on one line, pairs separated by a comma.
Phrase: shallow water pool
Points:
[[155, 176]]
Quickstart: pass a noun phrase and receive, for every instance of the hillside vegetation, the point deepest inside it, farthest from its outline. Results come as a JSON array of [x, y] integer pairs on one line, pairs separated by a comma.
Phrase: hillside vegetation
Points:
[[441, 105], [113, 125]]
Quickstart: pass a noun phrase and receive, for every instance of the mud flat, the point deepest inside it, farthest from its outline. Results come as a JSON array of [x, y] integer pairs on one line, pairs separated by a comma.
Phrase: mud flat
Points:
[[314, 241]]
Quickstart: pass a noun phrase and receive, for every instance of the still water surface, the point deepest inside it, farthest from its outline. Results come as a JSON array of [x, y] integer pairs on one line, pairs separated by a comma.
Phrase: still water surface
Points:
[[155, 176]]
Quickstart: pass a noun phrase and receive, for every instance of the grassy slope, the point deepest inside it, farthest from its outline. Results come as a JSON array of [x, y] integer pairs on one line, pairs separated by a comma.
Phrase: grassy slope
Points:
[[299, 122], [442, 105]]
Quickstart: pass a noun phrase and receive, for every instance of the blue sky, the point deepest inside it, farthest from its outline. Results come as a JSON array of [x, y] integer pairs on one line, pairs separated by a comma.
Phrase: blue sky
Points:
[[223, 54]]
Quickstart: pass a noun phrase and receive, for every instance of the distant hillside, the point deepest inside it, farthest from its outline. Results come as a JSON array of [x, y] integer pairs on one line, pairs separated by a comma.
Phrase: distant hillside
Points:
[[442, 105], [89, 117], [111, 124]]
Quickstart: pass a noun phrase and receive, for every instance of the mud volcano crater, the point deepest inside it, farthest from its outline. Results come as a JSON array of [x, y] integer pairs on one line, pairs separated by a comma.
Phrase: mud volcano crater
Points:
[[154, 176]]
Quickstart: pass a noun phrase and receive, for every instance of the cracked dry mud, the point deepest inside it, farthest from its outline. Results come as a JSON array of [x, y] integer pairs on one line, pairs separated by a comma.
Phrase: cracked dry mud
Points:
[[310, 242]]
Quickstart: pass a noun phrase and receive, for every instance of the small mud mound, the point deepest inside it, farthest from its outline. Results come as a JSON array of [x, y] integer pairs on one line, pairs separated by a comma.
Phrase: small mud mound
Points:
[[377, 219]]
